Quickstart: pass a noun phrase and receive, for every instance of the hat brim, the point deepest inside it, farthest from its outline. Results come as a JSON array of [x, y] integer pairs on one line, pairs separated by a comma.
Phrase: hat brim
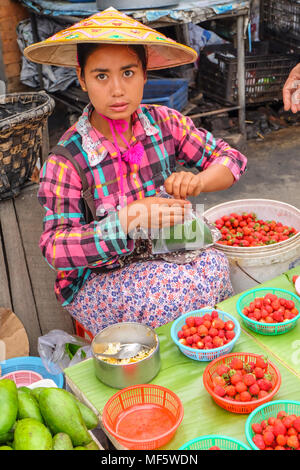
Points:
[[64, 54]]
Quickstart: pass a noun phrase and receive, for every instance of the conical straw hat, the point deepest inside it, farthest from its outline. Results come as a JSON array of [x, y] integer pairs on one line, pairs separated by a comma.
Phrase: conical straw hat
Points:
[[110, 27]]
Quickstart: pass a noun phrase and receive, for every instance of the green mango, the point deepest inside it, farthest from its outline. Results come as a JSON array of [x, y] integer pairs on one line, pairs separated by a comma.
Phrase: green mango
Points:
[[92, 446], [28, 406], [61, 414], [24, 389], [89, 417], [36, 392], [6, 437], [62, 441], [80, 448], [8, 405], [6, 448], [31, 434]]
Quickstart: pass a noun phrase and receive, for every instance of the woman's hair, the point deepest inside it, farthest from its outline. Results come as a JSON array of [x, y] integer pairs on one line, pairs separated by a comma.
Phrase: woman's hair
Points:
[[84, 50]]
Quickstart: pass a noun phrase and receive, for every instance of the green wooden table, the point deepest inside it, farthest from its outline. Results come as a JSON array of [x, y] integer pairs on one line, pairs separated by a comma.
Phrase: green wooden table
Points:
[[184, 376]]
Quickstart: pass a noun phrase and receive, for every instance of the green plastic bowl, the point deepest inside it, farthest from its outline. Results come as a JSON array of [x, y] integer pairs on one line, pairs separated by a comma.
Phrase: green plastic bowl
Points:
[[271, 329], [267, 411], [205, 442]]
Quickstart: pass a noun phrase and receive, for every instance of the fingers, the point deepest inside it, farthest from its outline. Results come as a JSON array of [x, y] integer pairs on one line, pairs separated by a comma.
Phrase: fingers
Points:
[[182, 184]]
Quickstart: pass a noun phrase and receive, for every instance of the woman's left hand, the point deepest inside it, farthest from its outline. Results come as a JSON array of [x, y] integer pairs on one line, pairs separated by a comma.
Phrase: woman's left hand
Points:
[[183, 184]]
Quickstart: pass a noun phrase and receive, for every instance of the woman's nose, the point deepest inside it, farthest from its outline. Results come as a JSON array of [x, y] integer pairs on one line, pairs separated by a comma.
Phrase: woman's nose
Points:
[[116, 87]]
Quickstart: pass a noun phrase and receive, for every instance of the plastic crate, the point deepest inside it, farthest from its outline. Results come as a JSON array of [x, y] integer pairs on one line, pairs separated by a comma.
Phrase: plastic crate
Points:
[[280, 20], [266, 70], [171, 92]]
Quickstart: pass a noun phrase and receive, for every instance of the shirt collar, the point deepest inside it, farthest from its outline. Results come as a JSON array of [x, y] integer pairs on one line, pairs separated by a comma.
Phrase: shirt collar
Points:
[[97, 146]]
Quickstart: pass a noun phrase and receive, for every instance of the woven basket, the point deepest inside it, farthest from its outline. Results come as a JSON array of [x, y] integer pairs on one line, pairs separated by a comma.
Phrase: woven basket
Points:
[[22, 117]]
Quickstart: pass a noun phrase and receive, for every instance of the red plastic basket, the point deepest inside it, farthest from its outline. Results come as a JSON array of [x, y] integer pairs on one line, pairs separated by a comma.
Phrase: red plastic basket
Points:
[[238, 406], [143, 417], [23, 378], [83, 332]]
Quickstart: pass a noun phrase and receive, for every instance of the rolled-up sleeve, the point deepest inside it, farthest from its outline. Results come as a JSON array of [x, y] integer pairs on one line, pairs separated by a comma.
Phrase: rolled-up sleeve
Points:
[[199, 148], [67, 241]]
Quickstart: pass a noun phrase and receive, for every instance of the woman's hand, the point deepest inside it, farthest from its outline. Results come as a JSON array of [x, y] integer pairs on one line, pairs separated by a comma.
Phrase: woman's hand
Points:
[[182, 184], [291, 91], [153, 212]]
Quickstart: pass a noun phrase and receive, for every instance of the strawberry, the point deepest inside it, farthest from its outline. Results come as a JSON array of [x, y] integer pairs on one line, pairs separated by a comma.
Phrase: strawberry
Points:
[[259, 441], [261, 362], [264, 384], [281, 440], [220, 391], [268, 438], [245, 396], [222, 369], [257, 428], [231, 390], [198, 321], [214, 314], [296, 424], [214, 448], [237, 364], [254, 389], [229, 325], [241, 387], [293, 442], [249, 379], [202, 330], [259, 372], [190, 321], [279, 427], [229, 334], [213, 332], [236, 377], [281, 414], [288, 421], [279, 448], [262, 394], [218, 323]]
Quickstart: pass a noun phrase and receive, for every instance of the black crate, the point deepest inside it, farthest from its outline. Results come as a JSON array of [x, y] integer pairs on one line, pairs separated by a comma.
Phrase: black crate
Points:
[[280, 20], [266, 70]]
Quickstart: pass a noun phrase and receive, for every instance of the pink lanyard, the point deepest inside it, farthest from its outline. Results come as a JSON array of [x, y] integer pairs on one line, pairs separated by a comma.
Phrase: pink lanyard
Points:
[[132, 155]]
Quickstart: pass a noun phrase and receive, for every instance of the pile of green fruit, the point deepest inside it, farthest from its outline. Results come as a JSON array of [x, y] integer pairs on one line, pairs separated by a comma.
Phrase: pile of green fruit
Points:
[[44, 419]]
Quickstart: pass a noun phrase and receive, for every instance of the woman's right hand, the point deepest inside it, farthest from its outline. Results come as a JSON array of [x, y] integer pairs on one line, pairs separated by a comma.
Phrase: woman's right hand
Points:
[[153, 212]]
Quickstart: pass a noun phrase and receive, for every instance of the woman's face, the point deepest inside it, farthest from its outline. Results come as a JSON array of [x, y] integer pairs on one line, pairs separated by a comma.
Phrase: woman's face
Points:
[[114, 79]]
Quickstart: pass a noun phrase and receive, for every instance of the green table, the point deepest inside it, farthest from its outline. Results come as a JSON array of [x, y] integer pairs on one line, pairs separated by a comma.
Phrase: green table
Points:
[[184, 376]]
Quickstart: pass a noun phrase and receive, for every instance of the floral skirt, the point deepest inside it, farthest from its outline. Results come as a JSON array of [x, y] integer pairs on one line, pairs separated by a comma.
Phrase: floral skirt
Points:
[[152, 292]]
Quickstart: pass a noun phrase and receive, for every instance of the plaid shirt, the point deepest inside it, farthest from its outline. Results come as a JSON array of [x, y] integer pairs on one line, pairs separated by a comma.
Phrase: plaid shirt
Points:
[[70, 245]]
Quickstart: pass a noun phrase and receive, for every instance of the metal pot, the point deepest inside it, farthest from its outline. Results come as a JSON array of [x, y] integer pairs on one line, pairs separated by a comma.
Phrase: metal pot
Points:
[[125, 375]]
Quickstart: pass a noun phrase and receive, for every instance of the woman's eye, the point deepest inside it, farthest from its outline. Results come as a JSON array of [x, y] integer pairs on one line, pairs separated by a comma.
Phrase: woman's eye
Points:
[[101, 76], [128, 73]]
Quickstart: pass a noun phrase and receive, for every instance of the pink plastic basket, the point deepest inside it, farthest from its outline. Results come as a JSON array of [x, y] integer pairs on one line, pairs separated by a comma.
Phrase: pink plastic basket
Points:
[[23, 378]]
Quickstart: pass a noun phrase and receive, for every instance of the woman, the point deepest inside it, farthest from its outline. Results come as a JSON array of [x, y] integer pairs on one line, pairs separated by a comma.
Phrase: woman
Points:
[[291, 91], [128, 151]]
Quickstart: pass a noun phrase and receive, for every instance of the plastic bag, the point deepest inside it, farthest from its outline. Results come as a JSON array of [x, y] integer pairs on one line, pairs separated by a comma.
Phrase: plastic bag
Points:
[[194, 234], [58, 350]]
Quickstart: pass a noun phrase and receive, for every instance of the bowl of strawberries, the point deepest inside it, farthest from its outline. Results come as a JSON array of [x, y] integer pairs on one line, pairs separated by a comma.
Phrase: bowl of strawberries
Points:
[[240, 382], [274, 426], [269, 311], [205, 334]]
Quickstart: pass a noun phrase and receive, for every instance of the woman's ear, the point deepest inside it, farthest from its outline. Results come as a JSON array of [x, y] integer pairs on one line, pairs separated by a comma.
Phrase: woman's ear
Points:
[[80, 79]]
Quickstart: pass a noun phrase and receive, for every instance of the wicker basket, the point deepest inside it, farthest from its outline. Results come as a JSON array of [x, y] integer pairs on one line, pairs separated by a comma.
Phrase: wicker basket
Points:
[[22, 117]]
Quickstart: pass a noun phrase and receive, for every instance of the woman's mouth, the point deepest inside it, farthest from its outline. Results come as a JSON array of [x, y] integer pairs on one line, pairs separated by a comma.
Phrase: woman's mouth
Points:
[[119, 107]]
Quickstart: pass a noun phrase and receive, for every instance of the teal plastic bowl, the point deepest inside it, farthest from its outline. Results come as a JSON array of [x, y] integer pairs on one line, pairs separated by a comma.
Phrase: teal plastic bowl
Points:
[[267, 411], [271, 329], [206, 442]]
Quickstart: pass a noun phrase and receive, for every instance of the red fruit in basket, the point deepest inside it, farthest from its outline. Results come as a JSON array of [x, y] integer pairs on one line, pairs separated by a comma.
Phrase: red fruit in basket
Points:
[[207, 339], [288, 421], [293, 442], [221, 333], [231, 390], [189, 340], [186, 332], [292, 432], [259, 441], [222, 369], [264, 384], [202, 330], [214, 448], [196, 338], [278, 317], [193, 330], [249, 379], [296, 424], [268, 438], [198, 321], [183, 341], [245, 396], [230, 334], [237, 364], [213, 332], [279, 427], [220, 391], [207, 323], [259, 372], [281, 414], [214, 314], [240, 387], [190, 321], [235, 378], [254, 389], [200, 345], [218, 323], [261, 362], [257, 428], [229, 325], [281, 440], [262, 394]]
